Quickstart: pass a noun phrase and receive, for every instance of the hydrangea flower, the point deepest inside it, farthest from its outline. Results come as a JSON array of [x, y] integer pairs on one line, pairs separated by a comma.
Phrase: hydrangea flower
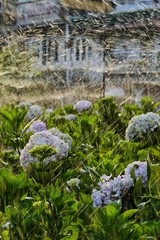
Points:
[[98, 198], [158, 108], [49, 110], [24, 104], [140, 170], [41, 139], [34, 111], [142, 124], [71, 117], [82, 105], [74, 182], [65, 137], [37, 126], [112, 190]]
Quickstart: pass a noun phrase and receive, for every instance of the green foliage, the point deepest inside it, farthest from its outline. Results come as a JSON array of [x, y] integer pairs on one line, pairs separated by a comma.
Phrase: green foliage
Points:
[[41, 152], [15, 62], [39, 204], [13, 187], [130, 110], [109, 114], [148, 105], [13, 127], [109, 223]]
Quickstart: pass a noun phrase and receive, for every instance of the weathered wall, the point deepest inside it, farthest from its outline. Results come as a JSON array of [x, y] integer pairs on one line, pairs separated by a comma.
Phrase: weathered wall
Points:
[[135, 5], [80, 56], [87, 57], [38, 12], [132, 53]]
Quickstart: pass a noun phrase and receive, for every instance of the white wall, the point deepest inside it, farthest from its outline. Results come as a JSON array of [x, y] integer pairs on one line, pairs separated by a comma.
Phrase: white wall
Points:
[[134, 5], [37, 12], [79, 52]]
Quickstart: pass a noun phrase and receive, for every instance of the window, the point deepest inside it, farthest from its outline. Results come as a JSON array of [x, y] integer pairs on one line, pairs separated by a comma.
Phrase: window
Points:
[[83, 49], [56, 51], [77, 49]]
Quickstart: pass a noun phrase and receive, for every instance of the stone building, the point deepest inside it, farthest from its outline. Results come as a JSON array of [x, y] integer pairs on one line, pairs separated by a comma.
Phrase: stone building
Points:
[[80, 56], [57, 46], [87, 45]]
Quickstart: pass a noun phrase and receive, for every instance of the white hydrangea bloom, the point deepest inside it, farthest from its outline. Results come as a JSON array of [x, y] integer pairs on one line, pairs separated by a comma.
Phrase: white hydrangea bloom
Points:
[[49, 110], [65, 137], [24, 104], [142, 124], [140, 170], [74, 182], [37, 126], [71, 117], [40, 139], [82, 105], [34, 111]]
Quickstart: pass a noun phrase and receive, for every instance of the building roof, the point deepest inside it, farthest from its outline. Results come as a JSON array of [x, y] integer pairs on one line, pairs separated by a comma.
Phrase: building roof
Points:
[[118, 21], [42, 13]]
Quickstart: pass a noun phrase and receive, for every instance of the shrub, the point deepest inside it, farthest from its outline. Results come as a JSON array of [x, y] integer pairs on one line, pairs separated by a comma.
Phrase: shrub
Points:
[[139, 126]]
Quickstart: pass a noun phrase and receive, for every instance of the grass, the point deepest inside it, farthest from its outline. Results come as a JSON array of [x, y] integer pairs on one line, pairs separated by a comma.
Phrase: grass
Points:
[[51, 94]]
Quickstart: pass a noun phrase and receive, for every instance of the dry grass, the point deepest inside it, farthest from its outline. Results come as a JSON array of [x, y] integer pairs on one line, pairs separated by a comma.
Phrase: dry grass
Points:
[[92, 6], [49, 95], [43, 93]]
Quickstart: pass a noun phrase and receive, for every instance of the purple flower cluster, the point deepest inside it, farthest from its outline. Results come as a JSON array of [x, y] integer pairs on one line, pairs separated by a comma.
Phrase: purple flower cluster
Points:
[[112, 190], [140, 170], [71, 117], [82, 105], [65, 137], [142, 124], [34, 111], [40, 139], [37, 126]]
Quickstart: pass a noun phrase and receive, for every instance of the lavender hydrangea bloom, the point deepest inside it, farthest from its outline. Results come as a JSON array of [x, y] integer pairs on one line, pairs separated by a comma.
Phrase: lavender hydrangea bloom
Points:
[[111, 190], [71, 117], [37, 126], [65, 137], [142, 124], [40, 139], [82, 105], [140, 170], [34, 111], [98, 198]]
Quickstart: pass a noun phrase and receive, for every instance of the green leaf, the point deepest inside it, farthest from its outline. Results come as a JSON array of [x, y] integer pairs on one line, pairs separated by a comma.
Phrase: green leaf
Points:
[[124, 217], [72, 232], [154, 180]]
